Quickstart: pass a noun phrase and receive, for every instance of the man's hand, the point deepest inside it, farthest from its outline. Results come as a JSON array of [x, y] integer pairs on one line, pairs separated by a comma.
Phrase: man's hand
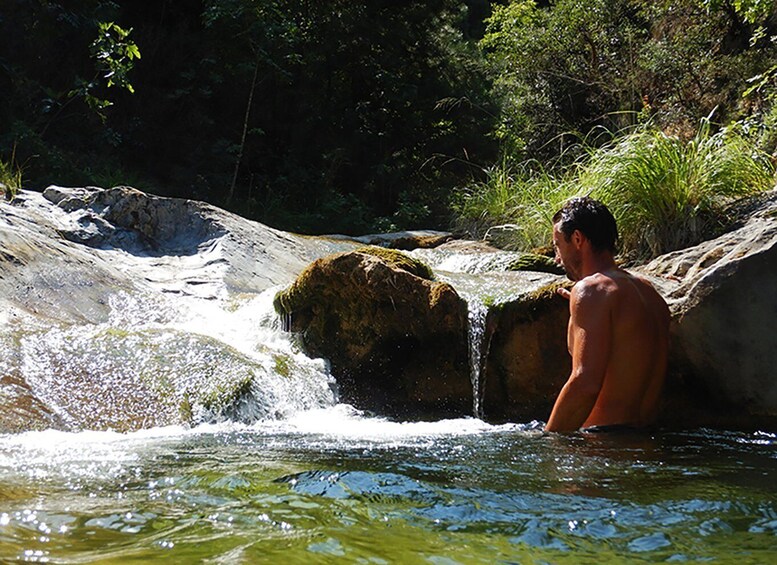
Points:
[[563, 293]]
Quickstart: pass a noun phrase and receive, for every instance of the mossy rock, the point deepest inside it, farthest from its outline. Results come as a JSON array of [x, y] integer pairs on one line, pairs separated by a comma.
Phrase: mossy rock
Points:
[[302, 294], [535, 262], [399, 260], [394, 337], [528, 361]]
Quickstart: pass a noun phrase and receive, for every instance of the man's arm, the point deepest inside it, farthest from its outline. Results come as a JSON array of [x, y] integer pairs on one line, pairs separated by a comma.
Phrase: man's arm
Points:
[[590, 339]]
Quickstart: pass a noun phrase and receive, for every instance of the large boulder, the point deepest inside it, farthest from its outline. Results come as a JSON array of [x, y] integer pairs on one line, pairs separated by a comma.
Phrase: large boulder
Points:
[[118, 310], [395, 338], [722, 296]]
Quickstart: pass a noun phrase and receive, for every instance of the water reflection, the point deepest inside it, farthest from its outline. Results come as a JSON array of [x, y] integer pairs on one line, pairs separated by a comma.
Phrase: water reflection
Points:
[[356, 488]]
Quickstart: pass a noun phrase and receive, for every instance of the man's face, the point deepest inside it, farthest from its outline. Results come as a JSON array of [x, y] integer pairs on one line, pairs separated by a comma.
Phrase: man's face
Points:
[[567, 255]]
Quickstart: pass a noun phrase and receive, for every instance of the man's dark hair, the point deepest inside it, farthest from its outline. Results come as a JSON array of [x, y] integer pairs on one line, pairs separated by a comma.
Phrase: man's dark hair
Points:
[[592, 218]]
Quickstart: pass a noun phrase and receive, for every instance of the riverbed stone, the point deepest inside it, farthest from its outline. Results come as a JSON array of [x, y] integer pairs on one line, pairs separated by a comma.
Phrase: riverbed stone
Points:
[[86, 261], [395, 338]]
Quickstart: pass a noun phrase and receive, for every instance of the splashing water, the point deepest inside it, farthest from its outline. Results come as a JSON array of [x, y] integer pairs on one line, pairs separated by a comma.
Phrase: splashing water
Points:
[[163, 361]]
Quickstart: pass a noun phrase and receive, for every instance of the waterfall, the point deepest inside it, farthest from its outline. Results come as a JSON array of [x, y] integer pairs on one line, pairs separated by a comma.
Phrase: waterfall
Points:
[[477, 312], [156, 362]]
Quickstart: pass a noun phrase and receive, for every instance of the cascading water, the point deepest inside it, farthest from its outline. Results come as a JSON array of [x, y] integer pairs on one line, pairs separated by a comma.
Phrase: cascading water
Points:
[[477, 314], [182, 359], [484, 281]]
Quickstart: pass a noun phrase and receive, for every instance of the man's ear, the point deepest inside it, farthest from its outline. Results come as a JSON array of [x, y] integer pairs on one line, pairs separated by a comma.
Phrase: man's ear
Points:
[[577, 238]]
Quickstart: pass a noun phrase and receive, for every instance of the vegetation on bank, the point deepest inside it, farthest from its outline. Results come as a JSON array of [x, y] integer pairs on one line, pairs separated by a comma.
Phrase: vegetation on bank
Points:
[[665, 192], [365, 116]]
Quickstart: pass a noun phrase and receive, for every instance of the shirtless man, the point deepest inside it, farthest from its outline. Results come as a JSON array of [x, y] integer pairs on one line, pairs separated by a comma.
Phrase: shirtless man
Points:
[[618, 332]]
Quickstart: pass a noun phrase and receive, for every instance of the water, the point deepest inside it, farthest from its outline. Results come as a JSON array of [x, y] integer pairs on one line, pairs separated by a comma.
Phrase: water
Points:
[[332, 485], [482, 279], [477, 314]]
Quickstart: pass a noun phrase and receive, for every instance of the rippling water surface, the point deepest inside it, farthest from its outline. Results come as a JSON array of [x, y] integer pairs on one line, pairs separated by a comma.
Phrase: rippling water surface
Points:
[[334, 486]]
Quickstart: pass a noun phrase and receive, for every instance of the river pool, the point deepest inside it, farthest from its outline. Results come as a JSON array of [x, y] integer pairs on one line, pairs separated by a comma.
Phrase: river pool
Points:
[[332, 486]]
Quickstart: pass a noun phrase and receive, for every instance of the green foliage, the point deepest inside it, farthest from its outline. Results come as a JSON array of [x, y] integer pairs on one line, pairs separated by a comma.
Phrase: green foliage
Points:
[[10, 177], [358, 116], [561, 69], [665, 192], [516, 196], [751, 11]]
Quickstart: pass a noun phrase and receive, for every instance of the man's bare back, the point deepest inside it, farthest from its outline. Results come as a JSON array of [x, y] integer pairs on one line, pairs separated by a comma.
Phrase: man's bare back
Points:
[[618, 333], [636, 367]]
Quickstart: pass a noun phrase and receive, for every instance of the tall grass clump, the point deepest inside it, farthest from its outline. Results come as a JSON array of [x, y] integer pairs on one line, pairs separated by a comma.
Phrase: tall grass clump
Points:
[[667, 193], [517, 199], [10, 179]]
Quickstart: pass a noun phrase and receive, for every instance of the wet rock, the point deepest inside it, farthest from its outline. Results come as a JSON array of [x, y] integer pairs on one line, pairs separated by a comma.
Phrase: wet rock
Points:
[[535, 262], [527, 362], [95, 286], [396, 339], [405, 240]]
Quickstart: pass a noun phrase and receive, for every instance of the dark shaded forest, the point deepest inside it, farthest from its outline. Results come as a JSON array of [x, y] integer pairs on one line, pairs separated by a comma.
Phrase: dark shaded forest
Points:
[[358, 116]]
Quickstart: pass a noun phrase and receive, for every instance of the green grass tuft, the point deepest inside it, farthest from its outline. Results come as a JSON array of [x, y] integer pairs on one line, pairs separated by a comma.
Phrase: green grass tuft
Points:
[[665, 193], [10, 179]]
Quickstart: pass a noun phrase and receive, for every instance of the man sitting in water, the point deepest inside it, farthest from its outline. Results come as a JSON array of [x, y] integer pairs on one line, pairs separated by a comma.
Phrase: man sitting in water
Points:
[[618, 332]]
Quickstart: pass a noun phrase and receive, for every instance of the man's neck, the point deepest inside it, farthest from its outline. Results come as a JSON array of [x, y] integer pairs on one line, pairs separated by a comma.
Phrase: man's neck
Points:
[[600, 262]]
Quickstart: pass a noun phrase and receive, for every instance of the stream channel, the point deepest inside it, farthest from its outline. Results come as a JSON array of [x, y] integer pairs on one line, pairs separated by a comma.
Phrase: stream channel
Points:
[[301, 478]]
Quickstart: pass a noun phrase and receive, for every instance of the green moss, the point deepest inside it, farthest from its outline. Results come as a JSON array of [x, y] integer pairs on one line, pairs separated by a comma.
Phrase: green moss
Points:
[[286, 301], [225, 394], [185, 409], [399, 260], [113, 333], [299, 294], [282, 365], [529, 307], [535, 262]]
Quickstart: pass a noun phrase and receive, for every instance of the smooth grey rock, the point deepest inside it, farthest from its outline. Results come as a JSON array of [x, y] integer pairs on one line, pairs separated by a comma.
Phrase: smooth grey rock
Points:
[[83, 270], [724, 305]]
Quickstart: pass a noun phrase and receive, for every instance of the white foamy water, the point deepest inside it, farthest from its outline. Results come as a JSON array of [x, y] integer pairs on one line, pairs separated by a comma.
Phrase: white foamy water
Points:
[[160, 358]]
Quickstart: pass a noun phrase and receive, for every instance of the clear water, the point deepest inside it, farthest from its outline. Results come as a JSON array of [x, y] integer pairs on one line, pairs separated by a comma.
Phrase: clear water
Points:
[[332, 485]]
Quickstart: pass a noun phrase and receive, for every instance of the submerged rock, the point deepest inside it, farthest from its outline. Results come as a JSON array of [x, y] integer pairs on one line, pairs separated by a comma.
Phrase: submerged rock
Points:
[[395, 338]]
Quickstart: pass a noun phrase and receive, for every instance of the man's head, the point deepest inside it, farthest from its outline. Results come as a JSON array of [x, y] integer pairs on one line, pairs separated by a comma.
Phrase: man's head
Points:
[[580, 220]]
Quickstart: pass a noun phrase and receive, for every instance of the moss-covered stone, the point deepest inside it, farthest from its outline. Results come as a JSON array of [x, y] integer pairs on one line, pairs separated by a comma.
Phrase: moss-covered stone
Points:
[[528, 361], [302, 294], [224, 395], [395, 338], [282, 365], [535, 262], [399, 260]]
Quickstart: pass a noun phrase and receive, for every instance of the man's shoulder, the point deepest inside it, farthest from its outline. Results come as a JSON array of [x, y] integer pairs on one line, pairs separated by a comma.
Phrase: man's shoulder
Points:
[[596, 284], [593, 290]]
